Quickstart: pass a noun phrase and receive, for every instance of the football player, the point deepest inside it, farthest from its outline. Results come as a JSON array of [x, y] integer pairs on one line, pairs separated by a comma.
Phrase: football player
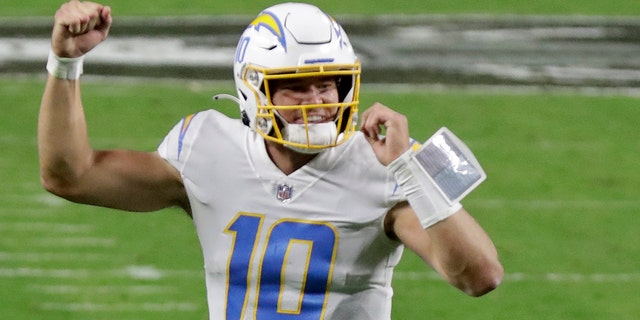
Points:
[[300, 213]]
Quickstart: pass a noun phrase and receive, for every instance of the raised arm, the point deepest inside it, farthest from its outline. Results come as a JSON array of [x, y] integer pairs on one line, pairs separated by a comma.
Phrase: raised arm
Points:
[[70, 168], [444, 235]]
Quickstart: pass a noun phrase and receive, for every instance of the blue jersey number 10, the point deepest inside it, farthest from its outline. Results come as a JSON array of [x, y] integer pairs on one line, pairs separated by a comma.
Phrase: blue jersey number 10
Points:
[[296, 251]]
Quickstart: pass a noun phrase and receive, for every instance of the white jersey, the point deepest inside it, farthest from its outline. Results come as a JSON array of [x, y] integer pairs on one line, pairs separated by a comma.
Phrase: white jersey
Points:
[[309, 245]]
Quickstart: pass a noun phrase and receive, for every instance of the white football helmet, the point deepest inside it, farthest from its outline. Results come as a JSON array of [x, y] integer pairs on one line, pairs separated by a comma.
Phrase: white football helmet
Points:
[[293, 40]]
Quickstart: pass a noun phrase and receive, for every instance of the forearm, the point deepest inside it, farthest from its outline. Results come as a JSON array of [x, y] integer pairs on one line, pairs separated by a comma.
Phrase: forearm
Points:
[[464, 254], [63, 143]]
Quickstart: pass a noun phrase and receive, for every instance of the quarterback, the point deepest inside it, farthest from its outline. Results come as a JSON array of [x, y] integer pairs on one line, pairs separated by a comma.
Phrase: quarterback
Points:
[[302, 206]]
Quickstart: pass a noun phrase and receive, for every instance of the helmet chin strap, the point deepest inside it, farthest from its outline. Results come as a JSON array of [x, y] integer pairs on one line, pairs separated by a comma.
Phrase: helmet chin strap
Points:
[[319, 134]]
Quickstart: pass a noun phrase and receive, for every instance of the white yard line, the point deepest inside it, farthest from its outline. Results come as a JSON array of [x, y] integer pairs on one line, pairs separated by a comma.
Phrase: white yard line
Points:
[[37, 200], [47, 257], [48, 227], [119, 307], [129, 272], [407, 88], [550, 277], [25, 212], [54, 242], [152, 273], [27, 272], [102, 289], [555, 204], [493, 203]]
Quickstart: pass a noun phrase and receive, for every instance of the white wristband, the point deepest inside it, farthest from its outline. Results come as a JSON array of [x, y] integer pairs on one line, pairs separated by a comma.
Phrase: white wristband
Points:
[[64, 68], [423, 196], [437, 176]]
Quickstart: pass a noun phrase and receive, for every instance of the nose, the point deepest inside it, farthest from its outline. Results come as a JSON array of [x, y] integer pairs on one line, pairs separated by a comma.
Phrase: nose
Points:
[[312, 95]]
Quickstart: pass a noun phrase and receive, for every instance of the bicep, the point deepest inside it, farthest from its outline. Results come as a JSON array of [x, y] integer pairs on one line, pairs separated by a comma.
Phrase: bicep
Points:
[[130, 180]]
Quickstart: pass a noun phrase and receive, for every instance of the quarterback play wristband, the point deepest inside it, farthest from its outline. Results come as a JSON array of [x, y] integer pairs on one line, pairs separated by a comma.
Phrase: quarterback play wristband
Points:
[[437, 176], [64, 68]]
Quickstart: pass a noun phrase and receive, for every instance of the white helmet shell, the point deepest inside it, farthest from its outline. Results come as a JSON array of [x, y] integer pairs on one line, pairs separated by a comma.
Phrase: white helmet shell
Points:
[[290, 39]]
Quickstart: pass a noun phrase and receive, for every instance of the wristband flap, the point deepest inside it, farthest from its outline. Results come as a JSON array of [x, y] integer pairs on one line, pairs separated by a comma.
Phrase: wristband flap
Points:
[[450, 164]]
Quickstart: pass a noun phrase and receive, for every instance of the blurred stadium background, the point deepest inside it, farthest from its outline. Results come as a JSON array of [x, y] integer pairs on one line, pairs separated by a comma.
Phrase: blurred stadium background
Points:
[[545, 93]]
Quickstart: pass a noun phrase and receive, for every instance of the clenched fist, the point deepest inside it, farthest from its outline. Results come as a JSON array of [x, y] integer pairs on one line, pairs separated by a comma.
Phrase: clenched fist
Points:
[[79, 26]]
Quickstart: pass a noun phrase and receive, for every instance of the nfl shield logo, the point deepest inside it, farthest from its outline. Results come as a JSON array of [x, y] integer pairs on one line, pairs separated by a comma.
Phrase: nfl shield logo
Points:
[[284, 192]]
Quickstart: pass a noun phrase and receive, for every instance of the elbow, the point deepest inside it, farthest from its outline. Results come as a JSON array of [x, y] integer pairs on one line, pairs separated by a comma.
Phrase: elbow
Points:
[[483, 279], [57, 186], [52, 185], [64, 177]]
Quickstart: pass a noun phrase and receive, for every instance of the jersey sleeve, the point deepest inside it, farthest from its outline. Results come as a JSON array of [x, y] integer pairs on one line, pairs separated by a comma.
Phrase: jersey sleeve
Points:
[[176, 145]]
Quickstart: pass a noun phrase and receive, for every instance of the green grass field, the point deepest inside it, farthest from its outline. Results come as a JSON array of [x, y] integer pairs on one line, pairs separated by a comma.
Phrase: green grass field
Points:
[[561, 203]]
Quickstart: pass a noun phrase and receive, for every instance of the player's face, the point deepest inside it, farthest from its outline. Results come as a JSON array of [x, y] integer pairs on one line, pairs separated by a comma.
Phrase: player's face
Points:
[[305, 91]]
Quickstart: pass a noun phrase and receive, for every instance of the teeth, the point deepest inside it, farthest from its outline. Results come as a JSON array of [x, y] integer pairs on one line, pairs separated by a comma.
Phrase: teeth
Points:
[[314, 118]]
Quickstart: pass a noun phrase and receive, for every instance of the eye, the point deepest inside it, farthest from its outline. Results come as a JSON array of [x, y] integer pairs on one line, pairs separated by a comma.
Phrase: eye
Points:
[[290, 86], [327, 85], [296, 87]]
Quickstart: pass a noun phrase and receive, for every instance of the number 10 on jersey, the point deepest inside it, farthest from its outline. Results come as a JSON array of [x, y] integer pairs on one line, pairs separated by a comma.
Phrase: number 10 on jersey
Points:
[[296, 252]]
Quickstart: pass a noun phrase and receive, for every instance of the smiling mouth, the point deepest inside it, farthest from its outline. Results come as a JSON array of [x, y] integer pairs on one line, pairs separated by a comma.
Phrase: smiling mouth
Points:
[[312, 120], [317, 119]]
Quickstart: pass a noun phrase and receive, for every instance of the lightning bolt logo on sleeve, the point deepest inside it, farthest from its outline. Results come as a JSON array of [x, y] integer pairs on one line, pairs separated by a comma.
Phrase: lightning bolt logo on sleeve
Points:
[[186, 121]]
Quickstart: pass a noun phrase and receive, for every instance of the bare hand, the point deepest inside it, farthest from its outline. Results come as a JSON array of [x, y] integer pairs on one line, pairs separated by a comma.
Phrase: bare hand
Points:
[[396, 129], [79, 27]]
